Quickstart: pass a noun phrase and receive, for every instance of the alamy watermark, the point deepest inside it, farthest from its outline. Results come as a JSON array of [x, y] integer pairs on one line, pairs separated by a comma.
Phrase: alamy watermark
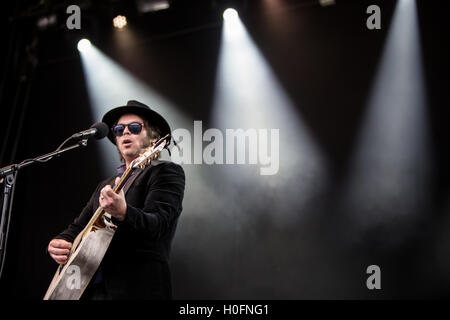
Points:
[[74, 280], [74, 20], [374, 20], [374, 280], [234, 146]]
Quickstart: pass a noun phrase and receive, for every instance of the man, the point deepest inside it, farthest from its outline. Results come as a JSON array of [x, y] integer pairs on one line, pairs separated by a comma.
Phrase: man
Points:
[[136, 263]]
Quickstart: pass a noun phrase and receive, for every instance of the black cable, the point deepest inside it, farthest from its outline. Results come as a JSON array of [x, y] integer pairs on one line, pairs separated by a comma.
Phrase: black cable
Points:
[[4, 237]]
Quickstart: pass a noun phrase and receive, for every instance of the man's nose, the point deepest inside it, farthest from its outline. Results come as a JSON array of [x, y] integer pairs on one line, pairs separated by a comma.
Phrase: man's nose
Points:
[[126, 131]]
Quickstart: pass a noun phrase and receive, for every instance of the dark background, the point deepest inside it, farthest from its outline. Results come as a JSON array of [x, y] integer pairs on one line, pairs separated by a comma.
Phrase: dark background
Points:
[[251, 250]]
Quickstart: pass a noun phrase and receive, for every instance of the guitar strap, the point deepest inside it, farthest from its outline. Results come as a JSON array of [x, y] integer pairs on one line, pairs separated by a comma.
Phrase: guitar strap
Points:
[[131, 180], [135, 175], [106, 216]]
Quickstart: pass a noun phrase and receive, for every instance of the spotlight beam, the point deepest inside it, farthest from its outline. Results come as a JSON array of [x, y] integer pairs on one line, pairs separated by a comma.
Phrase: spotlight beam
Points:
[[391, 165]]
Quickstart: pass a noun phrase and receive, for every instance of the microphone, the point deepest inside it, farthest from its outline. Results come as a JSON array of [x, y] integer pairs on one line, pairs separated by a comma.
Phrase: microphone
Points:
[[98, 130]]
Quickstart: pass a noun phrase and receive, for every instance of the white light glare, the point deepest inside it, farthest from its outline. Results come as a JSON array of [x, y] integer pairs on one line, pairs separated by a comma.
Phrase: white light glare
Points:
[[45, 22], [84, 45], [325, 3], [120, 22], [152, 5], [230, 14]]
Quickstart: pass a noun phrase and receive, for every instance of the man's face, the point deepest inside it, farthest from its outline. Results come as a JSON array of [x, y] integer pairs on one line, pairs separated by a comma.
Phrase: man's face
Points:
[[131, 145]]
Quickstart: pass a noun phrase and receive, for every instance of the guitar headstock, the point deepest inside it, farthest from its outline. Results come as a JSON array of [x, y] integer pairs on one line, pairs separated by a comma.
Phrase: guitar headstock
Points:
[[149, 154]]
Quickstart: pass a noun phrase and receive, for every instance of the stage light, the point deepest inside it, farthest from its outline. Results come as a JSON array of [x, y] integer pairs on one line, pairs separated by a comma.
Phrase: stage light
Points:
[[84, 45], [249, 99], [230, 14], [325, 3], [390, 170], [145, 6], [119, 22], [45, 22]]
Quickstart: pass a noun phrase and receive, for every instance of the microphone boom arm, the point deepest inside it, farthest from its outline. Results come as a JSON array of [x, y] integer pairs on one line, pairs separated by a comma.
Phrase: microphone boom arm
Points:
[[44, 158], [11, 172]]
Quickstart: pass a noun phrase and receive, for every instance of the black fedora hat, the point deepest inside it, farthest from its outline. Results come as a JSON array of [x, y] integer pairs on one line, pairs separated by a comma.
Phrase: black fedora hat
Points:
[[140, 109]]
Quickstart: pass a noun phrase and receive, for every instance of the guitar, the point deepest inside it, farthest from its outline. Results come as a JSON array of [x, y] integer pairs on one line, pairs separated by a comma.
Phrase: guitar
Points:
[[91, 244]]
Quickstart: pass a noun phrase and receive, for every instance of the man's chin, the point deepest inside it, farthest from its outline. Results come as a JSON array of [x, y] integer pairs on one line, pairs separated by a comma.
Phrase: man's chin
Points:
[[130, 155]]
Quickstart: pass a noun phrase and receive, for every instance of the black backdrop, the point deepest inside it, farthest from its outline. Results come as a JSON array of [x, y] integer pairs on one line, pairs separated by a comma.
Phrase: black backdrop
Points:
[[177, 56]]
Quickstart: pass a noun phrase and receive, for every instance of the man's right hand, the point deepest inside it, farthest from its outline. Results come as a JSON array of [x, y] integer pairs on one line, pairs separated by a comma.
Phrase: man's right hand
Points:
[[59, 250]]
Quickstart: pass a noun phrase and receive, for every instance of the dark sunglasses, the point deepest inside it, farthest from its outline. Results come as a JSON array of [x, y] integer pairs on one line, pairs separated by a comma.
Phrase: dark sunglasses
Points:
[[134, 128]]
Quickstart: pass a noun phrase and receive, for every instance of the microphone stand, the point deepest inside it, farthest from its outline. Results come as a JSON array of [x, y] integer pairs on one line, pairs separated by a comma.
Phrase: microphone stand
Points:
[[10, 172]]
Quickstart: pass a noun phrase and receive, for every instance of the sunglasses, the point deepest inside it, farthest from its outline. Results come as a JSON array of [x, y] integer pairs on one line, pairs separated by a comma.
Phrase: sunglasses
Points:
[[134, 128]]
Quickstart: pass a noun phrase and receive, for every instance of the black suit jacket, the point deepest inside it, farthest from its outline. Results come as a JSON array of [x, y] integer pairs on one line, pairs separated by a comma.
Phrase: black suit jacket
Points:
[[136, 263]]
